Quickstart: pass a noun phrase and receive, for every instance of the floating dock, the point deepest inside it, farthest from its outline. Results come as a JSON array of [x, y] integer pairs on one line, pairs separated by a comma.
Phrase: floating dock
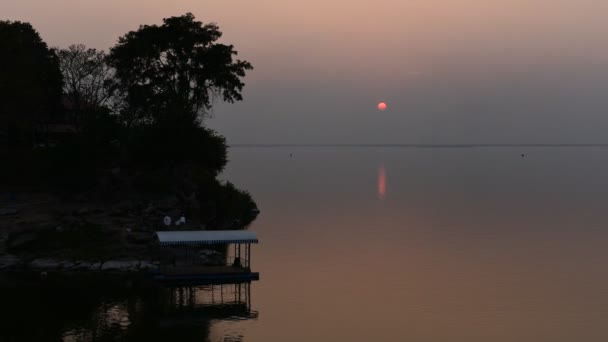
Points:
[[189, 270]]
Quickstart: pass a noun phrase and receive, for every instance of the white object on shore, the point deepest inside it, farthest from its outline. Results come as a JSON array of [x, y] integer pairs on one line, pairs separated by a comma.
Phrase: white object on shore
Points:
[[182, 220], [167, 221]]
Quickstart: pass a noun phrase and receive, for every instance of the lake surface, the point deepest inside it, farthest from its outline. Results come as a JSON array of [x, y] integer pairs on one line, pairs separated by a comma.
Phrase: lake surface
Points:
[[393, 244]]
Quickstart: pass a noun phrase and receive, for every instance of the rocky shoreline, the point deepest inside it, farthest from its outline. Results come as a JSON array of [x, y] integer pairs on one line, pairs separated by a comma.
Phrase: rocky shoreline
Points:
[[41, 232], [14, 263]]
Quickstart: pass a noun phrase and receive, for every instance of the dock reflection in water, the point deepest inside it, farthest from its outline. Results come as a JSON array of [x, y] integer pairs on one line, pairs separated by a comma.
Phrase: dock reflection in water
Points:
[[122, 313], [224, 301]]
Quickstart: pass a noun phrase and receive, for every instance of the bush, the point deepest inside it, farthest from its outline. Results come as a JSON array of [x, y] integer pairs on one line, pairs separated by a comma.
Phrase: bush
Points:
[[76, 162], [76, 240], [166, 146], [225, 206]]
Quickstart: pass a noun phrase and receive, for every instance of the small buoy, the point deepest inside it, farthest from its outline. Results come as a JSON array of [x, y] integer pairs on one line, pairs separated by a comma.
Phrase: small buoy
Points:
[[523, 155]]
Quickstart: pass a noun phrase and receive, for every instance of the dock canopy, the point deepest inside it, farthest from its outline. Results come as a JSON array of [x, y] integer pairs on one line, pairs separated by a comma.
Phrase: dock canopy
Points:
[[206, 237]]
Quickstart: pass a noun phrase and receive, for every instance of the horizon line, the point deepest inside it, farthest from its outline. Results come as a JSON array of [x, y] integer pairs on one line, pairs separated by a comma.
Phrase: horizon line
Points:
[[431, 145]]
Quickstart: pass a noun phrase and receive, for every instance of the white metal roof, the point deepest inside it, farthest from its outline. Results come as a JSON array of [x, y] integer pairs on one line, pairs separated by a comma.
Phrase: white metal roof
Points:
[[206, 237]]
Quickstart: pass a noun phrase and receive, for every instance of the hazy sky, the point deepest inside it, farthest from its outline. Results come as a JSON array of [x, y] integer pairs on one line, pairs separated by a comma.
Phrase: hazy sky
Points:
[[451, 71]]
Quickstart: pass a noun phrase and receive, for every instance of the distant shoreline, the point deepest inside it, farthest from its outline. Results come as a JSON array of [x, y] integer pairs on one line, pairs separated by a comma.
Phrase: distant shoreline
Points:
[[420, 145]]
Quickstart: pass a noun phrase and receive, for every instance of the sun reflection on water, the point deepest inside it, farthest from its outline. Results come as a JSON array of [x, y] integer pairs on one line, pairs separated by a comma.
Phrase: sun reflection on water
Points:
[[381, 182]]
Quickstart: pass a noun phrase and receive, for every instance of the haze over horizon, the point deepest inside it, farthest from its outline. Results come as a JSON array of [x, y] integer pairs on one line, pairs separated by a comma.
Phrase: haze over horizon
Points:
[[451, 71]]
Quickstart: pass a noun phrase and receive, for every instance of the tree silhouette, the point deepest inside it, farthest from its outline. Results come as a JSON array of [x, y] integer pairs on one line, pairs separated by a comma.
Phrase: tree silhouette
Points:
[[86, 76], [171, 73], [30, 82], [159, 82]]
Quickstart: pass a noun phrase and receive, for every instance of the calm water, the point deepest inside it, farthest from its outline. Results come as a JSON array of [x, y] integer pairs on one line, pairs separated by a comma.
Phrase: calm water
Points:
[[388, 244]]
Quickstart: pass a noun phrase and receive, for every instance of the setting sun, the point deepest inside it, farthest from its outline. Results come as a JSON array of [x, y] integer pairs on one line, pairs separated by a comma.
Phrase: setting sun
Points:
[[382, 106]]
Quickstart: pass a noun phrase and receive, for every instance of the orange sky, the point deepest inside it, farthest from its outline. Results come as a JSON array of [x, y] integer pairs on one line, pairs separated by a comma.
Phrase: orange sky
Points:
[[431, 60], [382, 35]]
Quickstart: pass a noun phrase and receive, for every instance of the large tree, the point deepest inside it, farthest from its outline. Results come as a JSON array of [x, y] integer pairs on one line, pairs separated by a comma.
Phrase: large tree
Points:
[[30, 82], [171, 73], [86, 76]]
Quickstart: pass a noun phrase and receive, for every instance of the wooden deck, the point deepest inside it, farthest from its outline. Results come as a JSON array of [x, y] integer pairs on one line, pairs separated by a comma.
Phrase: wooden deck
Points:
[[205, 274], [198, 270]]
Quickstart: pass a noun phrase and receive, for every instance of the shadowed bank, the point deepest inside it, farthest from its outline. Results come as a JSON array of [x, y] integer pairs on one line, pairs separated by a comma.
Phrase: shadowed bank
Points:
[[98, 147]]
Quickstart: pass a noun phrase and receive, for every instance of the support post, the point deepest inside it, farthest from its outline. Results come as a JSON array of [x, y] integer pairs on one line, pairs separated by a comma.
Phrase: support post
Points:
[[249, 256], [248, 295]]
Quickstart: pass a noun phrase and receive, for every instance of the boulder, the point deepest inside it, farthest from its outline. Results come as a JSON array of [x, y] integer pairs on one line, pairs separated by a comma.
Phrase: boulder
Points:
[[45, 263], [122, 265], [83, 211], [8, 211], [21, 240], [69, 265], [86, 265], [9, 261], [147, 265]]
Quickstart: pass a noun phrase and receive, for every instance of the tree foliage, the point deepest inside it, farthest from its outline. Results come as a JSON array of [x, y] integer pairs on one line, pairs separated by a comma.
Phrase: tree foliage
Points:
[[150, 146], [134, 120], [30, 82], [86, 76], [172, 72]]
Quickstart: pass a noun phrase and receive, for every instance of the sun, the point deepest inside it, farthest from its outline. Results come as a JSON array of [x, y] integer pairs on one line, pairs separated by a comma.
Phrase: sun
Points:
[[382, 106]]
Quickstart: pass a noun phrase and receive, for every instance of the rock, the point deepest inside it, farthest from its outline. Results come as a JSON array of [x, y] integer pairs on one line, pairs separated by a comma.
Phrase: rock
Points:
[[72, 265], [150, 209], [127, 265], [71, 220], [9, 261], [119, 212], [86, 265], [83, 211], [8, 211], [80, 198], [147, 265], [23, 239], [44, 263]]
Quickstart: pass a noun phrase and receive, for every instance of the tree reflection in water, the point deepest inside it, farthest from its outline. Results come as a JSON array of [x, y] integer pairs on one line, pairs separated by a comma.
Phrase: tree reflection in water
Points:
[[91, 309]]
